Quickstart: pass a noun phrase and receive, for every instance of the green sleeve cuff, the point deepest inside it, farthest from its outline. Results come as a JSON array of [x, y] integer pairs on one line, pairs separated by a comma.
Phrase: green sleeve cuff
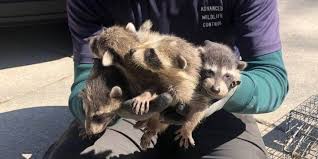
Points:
[[263, 88], [81, 74]]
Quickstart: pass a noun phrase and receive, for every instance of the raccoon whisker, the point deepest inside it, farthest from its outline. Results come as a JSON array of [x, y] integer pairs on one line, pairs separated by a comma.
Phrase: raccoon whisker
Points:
[[206, 91]]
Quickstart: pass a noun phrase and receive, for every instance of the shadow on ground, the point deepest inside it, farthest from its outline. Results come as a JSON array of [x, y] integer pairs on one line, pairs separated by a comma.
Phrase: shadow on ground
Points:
[[31, 130], [292, 138], [27, 45], [275, 139], [295, 136]]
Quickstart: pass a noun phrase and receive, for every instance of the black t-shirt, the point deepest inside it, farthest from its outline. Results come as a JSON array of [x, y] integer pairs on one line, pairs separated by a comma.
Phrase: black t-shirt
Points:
[[250, 27]]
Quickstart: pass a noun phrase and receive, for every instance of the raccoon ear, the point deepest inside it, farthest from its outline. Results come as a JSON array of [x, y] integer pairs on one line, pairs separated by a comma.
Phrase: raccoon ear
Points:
[[93, 46], [104, 29], [202, 53], [208, 42], [182, 62], [146, 26], [241, 65], [88, 39], [131, 27], [235, 83], [201, 50], [173, 43], [116, 92], [107, 59]]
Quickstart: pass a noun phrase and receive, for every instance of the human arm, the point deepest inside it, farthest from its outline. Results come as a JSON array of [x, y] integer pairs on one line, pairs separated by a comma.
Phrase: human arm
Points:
[[264, 85], [81, 74], [264, 82], [83, 23]]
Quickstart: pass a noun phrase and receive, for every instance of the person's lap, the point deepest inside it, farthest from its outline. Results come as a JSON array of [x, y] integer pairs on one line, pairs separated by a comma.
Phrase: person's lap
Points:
[[222, 135]]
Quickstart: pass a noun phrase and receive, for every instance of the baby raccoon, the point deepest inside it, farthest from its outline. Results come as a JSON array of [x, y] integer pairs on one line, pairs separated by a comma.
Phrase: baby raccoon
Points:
[[175, 61], [221, 69], [102, 96], [219, 74], [112, 45], [177, 64], [154, 64]]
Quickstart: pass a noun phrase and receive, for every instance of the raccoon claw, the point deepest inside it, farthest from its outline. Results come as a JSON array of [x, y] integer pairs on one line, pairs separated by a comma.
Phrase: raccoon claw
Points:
[[141, 103], [145, 142], [140, 106], [185, 138]]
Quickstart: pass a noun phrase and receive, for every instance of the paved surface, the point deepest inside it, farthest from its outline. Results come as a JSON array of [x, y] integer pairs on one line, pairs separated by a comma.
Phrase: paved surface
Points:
[[36, 75], [299, 34]]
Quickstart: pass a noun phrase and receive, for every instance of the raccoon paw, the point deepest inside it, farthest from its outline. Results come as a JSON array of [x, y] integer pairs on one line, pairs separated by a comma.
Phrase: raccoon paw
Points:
[[145, 141], [185, 138], [141, 103]]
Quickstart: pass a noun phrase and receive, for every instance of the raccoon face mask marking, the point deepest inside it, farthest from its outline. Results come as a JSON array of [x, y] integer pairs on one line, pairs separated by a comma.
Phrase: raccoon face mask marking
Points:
[[217, 81], [221, 69], [151, 59], [98, 116]]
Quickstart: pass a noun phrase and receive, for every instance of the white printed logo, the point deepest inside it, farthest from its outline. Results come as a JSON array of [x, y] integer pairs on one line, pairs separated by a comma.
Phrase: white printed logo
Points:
[[211, 15]]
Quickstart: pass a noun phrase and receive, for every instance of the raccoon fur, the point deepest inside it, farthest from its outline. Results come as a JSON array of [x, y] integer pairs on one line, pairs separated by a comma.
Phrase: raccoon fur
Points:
[[221, 69], [177, 64], [112, 45], [104, 92], [219, 74], [154, 64]]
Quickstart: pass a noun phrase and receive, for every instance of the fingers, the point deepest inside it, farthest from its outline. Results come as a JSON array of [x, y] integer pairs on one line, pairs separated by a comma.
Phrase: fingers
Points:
[[145, 141], [191, 140], [136, 106], [181, 142], [147, 106], [186, 143], [177, 136], [185, 139], [142, 107]]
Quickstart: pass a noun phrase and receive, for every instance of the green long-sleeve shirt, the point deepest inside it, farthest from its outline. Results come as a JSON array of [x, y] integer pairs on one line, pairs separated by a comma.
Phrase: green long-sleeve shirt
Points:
[[263, 88]]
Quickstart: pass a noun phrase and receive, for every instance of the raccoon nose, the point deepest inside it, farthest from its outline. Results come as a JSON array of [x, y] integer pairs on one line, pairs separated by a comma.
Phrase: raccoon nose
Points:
[[215, 89], [150, 53]]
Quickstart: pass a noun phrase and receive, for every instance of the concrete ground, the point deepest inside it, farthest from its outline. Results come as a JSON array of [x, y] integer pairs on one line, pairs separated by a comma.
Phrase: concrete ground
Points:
[[36, 74]]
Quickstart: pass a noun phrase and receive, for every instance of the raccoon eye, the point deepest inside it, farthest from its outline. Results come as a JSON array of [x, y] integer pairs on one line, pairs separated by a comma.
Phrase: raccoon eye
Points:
[[209, 73], [228, 76], [131, 51], [97, 119]]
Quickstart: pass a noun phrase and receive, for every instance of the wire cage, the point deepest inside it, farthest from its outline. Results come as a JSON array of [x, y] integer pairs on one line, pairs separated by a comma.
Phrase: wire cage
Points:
[[296, 134]]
